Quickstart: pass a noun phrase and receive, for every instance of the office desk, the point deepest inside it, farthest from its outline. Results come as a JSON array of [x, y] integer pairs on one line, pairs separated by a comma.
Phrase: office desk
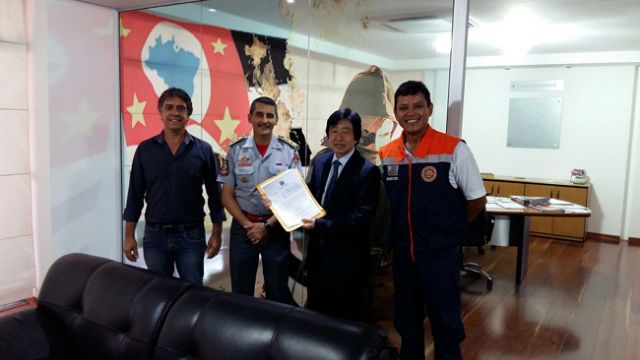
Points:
[[519, 233]]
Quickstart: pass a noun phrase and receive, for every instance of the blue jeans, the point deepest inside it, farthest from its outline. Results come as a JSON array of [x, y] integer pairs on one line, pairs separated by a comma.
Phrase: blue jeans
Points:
[[185, 249], [243, 261]]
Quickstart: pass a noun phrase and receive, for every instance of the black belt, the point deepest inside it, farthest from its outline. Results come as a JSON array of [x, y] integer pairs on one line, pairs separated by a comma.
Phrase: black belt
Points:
[[173, 228]]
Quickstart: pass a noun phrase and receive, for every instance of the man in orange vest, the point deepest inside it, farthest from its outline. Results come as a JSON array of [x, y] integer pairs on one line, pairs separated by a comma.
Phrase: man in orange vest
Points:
[[434, 188]]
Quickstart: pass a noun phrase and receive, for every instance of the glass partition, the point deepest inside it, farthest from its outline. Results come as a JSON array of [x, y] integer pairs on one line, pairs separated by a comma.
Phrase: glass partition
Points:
[[313, 57]]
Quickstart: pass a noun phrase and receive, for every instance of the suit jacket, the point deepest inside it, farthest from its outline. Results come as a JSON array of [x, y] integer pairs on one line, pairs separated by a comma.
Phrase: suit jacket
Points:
[[338, 255], [351, 205]]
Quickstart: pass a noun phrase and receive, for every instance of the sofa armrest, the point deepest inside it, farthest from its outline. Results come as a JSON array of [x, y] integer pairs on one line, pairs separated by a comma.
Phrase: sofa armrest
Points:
[[22, 336]]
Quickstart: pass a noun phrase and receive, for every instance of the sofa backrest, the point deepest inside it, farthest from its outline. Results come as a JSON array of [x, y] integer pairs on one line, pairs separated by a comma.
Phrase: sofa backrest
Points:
[[209, 324], [96, 308]]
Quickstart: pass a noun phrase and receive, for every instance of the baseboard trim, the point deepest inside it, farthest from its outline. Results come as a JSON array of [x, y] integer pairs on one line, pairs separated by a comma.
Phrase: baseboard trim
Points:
[[633, 241], [18, 305], [555, 237], [604, 238]]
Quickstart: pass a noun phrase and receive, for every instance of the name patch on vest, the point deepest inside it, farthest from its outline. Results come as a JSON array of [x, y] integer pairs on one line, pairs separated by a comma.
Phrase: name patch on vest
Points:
[[244, 161], [429, 173], [392, 172]]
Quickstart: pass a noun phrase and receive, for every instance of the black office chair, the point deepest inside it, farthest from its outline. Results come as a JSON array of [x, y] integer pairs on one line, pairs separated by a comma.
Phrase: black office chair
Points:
[[478, 234]]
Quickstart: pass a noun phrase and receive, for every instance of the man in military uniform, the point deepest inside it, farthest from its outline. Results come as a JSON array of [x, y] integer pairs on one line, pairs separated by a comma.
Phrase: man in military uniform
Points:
[[254, 230]]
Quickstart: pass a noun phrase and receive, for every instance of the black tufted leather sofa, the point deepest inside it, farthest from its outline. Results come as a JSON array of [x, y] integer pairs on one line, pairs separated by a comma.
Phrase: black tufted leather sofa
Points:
[[95, 308]]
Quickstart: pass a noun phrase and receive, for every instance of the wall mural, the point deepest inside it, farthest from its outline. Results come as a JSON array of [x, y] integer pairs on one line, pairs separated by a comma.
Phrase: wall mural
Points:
[[216, 66], [371, 94], [222, 69]]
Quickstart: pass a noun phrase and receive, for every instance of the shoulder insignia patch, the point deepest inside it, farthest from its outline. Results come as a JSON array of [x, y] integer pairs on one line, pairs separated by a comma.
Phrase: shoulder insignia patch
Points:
[[223, 165], [237, 141], [289, 141]]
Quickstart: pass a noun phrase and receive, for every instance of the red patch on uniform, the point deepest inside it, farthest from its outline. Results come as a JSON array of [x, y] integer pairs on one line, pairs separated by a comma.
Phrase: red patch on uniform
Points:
[[296, 159], [429, 173], [224, 166]]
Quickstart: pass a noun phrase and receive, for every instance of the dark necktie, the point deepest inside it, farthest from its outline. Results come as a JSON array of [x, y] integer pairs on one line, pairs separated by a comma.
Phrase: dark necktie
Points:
[[332, 182]]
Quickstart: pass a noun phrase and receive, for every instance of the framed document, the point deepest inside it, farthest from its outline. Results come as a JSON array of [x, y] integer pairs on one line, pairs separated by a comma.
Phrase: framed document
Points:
[[291, 200]]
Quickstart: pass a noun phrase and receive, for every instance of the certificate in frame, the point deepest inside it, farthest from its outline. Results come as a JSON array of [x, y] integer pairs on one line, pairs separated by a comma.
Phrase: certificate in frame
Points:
[[291, 199]]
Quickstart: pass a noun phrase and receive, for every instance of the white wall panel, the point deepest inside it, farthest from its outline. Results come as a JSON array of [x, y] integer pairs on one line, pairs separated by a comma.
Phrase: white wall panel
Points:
[[17, 271], [12, 27], [13, 74], [345, 73], [14, 148], [321, 72], [17, 263], [84, 125], [596, 116], [15, 207], [632, 225]]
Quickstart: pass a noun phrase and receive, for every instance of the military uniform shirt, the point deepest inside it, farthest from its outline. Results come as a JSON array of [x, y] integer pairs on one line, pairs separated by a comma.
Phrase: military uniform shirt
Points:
[[244, 169]]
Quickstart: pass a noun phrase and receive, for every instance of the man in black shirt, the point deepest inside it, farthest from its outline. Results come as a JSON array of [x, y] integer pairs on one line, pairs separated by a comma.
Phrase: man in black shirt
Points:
[[168, 171]]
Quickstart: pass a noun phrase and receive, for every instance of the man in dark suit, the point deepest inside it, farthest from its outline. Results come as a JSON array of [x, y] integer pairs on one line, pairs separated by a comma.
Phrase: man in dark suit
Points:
[[347, 186]]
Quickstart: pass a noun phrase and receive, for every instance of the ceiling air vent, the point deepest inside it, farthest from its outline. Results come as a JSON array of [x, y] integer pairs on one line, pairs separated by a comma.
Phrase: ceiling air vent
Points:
[[423, 24], [418, 24]]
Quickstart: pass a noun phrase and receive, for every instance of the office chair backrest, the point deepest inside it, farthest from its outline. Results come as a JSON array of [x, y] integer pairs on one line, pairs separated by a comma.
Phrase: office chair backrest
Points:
[[479, 230]]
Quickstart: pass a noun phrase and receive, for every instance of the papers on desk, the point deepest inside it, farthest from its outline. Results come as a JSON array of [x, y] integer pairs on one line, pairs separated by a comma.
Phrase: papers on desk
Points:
[[556, 205], [548, 208], [558, 202], [576, 209], [568, 208], [495, 203], [530, 200]]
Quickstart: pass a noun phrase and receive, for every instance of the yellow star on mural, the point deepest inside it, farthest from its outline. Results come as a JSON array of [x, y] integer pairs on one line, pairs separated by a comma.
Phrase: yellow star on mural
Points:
[[218, 46], [123, 30], [227, 125], [81, 122], [137, 111]]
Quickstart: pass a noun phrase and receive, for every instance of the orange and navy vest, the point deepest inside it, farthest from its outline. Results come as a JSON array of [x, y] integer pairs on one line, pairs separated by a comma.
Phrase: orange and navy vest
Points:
[[427, 212]]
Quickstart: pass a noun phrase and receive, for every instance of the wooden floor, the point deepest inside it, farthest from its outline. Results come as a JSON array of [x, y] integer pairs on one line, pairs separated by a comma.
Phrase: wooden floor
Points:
[[578, 301]]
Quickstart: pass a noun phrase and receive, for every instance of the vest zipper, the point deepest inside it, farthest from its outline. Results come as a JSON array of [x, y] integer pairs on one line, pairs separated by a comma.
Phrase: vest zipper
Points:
[[413, 258]]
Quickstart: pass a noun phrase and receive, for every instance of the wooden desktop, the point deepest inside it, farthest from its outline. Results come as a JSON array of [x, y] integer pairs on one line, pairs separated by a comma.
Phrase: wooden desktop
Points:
[[519, 227], [565, 228]]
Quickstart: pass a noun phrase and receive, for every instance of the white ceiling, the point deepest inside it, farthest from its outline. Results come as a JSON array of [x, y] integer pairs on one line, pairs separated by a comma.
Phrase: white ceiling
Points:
[[552, 26], [133, 4]]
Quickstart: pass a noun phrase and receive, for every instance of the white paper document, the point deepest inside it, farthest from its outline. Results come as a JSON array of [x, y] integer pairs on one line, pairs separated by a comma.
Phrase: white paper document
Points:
[[502, 204], [291, 200], [576, 209], [557, 202], [510, 205]]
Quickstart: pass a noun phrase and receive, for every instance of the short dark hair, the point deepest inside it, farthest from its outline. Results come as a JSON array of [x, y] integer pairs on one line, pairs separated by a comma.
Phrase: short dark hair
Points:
[[264, 100], [348, 114], [412, 87], [175, 92]]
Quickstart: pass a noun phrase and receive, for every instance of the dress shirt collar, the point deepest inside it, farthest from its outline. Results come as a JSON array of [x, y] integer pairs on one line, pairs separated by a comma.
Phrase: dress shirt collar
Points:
[[343, 160], [187, 137], [251, 143]]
